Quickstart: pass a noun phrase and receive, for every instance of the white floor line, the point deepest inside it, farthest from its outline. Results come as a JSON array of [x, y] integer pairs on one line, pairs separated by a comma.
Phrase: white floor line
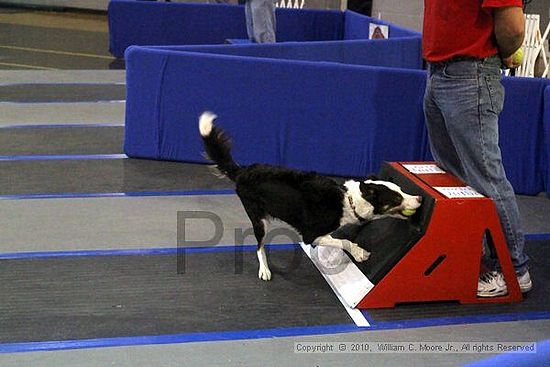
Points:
[[56, 52], [358, 287], [66, 125], [10, 77], [65, 102], [61, 113]]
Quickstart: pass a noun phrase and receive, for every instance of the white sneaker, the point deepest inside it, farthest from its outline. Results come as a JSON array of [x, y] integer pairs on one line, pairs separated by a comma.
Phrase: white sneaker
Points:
[[525, 283], [492, 284]]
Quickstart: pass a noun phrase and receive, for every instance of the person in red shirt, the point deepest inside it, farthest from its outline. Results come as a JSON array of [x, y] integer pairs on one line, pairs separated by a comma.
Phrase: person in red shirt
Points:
[[465, 44]]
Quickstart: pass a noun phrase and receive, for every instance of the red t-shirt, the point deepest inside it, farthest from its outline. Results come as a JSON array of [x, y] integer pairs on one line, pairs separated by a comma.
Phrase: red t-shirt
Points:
[[460, 28]]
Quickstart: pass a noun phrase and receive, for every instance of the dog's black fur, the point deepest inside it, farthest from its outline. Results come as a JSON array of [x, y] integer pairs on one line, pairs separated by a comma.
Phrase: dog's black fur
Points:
[[313, 204]]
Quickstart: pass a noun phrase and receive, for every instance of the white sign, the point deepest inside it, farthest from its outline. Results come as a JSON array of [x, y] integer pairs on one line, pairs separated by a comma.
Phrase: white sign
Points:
[[423, 169], [378, 31], [459, 192]]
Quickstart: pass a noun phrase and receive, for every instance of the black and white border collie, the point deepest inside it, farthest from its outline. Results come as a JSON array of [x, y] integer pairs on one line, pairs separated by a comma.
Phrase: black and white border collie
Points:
[[313, 204]]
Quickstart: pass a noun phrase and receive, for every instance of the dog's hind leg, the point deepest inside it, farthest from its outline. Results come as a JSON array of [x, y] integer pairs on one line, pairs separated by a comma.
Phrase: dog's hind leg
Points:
[[259, 231], [259, 224], [352, 248]]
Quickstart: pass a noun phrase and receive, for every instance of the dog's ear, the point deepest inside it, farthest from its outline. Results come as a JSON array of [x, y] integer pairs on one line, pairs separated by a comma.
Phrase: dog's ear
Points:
[[367, 190]]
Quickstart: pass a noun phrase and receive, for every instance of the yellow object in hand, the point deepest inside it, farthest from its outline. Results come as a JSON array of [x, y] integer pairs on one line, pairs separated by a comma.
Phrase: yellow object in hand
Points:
[[517, 56]]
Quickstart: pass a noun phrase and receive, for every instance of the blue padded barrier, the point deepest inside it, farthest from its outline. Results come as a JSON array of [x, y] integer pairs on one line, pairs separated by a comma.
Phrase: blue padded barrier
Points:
[[308, 25], [356, 26], [547, 137], [150, 23], [400, 53], [521, 134], [134, 22], [330, 117], [277, 111]]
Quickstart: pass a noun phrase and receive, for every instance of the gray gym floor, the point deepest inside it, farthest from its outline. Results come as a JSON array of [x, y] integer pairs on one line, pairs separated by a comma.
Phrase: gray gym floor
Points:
[[76, 202]]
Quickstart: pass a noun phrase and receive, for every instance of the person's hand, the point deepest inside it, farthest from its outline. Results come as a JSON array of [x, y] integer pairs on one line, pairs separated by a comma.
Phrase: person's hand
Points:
[[513, 61], [509, 63]]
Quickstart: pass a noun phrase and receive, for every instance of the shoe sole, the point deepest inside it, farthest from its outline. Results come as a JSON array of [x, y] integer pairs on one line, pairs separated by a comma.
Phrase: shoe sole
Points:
[[524, 288], [492, 294]]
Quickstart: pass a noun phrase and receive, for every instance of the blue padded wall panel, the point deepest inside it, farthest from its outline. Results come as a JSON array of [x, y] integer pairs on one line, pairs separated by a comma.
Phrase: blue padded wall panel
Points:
[[357, 27], [144, 83], [158, 23], [309, 25], [282, 112], [399, 53], [547, 137], [353, 120], [333, 118], [151, 23], [521, 133]]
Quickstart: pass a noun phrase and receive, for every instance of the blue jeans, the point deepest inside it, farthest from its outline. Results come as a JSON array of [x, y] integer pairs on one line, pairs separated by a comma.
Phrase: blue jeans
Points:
[[260, 20], [462, 103]]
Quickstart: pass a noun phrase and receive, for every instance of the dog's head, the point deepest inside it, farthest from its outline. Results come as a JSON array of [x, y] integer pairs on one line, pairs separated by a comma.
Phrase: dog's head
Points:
[[387, 197], [375, 198]]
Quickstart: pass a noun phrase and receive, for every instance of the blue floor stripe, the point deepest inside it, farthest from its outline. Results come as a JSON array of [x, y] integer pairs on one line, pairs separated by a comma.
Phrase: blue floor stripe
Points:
[[178, 338], [78, 195], [537, 236], [142, 252], [153, 251], [260, 334], [51, 157]]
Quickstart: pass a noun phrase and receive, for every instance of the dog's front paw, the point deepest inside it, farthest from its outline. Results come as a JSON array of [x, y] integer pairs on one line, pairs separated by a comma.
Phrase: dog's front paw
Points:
[[359, 254], [264, 273]]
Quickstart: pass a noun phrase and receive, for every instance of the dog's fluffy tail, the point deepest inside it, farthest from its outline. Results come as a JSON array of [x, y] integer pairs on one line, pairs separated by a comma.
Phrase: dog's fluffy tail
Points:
[[217, 145]]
